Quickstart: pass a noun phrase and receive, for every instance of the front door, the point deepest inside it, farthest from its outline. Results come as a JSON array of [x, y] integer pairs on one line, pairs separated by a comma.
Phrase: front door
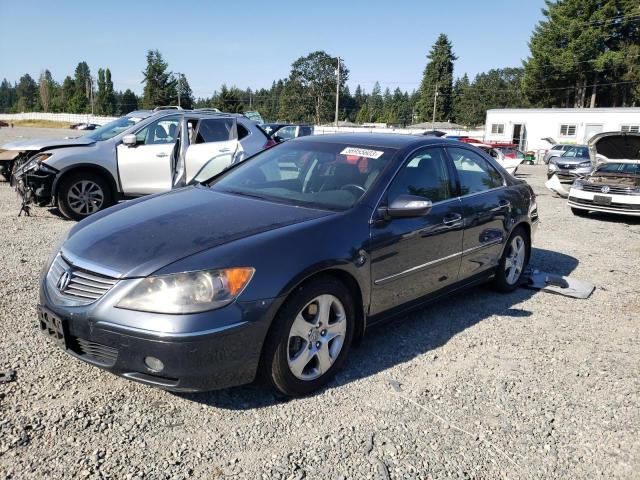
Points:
[[486, 207], [412, 257], [146, 167], [590, 130]]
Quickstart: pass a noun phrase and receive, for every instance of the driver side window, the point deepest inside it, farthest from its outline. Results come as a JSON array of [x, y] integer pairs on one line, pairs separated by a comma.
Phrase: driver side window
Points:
[[162, 131], [426, 175]]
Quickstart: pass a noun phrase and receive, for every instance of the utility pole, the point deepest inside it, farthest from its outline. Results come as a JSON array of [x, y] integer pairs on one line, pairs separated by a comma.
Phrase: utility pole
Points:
[[337, 91], [179, 86], [435, 102]]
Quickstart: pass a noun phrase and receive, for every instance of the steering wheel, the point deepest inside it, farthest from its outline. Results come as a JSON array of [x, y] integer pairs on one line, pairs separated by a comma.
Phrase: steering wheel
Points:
[[360, 190]]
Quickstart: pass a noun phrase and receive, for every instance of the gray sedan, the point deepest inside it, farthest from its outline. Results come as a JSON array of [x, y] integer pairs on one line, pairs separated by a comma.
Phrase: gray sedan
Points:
[[574, 163]]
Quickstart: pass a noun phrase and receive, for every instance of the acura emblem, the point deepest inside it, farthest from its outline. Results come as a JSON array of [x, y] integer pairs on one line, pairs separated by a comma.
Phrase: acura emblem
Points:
[[63, 281], [605, 189]]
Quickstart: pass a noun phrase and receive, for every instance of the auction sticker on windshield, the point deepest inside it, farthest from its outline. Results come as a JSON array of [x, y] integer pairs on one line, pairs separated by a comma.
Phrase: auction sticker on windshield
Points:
[[362, 152]]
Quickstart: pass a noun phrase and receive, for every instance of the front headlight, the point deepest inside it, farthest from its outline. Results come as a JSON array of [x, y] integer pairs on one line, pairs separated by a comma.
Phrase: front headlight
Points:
[[584, 165], [188, 292], [41, 157], [552, 166], [577, 184]]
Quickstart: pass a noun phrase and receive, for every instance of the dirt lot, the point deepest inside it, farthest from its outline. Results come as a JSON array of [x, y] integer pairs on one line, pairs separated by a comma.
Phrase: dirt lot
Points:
[[526, 385]]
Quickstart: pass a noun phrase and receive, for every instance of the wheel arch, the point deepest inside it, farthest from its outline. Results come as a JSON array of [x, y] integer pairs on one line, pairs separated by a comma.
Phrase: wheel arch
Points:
[[85, 167]]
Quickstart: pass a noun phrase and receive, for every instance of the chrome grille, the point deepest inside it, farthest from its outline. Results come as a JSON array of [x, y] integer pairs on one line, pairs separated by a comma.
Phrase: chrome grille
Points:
[[82, 286], [612, 190]]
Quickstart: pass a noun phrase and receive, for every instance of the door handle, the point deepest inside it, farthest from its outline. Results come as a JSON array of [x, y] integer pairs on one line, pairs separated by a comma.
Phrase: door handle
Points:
[[224, 150], [451, 219], [502, 205], [162, 155]]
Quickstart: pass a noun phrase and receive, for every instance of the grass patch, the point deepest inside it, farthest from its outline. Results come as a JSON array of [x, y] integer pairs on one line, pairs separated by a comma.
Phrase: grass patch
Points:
[[39, 123]]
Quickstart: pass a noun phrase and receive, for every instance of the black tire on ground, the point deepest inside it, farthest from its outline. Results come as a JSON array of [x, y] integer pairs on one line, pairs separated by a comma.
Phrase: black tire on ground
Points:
[[72, 181], [578, 212], [500, 281], [275, 364]]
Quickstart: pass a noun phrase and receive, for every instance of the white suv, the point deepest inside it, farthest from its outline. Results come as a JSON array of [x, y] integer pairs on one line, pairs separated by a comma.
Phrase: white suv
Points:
[[138, 154]]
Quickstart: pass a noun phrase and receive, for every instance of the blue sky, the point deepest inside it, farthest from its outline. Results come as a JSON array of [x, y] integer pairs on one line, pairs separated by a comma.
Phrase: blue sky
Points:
[[249, 43]]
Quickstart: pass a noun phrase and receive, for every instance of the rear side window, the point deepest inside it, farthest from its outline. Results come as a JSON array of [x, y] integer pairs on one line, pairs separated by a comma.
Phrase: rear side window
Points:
[[242, 131], [215, 130], [424, 175], [475, 173]]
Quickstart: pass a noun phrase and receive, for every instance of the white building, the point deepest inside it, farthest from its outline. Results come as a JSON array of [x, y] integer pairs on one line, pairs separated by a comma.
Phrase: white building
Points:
[[528, 127]]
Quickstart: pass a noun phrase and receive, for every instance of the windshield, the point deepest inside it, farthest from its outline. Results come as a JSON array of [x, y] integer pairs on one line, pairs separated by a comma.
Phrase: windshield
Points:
[[112, 129], [620, 168], [577, 152], [314, 174]]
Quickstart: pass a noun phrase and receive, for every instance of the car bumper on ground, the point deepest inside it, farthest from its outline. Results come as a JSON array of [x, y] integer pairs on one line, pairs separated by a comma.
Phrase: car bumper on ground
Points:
[[224, 354], [591, 201]]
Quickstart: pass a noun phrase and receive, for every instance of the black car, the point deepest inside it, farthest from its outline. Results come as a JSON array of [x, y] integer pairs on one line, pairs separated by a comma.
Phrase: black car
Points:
[[279, 264]]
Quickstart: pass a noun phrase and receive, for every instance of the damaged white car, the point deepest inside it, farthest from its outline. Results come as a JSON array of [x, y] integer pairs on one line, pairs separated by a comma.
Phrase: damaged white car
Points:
[[138, 154], [614, 184]]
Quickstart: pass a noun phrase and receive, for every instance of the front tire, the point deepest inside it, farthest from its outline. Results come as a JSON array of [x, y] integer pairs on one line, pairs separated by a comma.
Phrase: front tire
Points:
[[310, 338], [83, 194], [513, 262]]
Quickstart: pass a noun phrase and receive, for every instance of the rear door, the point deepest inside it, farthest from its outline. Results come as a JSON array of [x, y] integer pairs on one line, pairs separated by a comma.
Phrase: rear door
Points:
[[412, 257], [146, 167], [486, 207], [212, 142]]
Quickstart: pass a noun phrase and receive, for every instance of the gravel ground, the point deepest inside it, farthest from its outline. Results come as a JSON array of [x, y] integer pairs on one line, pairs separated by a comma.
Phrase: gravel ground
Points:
[[526, 385]]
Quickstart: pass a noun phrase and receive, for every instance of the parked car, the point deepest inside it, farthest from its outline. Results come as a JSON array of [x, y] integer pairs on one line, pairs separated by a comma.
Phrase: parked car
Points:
[[573, 163], [133, 156], [286, 131], [3, 123], [84, 126], [555, 151], [614, 184], [510, 164], [279, 264]]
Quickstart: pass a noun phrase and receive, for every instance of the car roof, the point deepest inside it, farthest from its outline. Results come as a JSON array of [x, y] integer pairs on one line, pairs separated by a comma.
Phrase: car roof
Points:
[[385, 140]]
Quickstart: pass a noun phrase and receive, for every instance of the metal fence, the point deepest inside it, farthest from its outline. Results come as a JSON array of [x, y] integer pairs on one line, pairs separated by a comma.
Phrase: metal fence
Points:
[[57, 117]]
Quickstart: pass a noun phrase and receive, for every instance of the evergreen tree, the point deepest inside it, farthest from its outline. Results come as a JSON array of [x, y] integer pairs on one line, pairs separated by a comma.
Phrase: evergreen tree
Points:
[[229, 100], [438, 74], [46, 91], [110, 97], [66, 93], [159, 84], [375, 104], [128, 102], [79, 102], [26, 94], [581, 52], [186, 95], [7, 96]]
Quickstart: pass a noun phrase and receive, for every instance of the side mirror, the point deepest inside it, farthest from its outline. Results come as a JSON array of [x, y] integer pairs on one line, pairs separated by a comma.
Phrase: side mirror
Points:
[[278, 139], [130, 140], [409, 206]]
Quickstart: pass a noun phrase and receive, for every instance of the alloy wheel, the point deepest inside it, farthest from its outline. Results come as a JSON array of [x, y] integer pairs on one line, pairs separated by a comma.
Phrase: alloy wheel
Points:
[[514, 261], [316, 337], [85, 197]]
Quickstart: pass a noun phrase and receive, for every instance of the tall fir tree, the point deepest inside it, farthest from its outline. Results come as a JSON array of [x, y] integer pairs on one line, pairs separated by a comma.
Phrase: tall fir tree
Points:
[[159, 84], [438, 74]]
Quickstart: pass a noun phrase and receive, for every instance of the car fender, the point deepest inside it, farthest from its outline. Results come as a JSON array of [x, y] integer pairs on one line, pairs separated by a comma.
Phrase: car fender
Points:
[[85, 166]]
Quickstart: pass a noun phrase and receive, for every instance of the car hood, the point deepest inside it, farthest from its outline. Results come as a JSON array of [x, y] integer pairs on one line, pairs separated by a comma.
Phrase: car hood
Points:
[[46, 143], [137, 239], [569, 160], [614, 146]]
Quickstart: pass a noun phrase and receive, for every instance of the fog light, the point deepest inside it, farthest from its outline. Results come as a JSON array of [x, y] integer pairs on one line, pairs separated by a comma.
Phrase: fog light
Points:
[[154, 364]]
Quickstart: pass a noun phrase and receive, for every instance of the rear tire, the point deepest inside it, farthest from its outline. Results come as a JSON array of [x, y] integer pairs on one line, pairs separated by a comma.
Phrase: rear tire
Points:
[[513, 262], [82, 194], [578, 212], [310, 337]]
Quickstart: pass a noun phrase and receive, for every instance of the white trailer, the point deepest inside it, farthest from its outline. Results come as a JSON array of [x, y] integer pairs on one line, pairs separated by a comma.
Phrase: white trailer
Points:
[[528, 127]]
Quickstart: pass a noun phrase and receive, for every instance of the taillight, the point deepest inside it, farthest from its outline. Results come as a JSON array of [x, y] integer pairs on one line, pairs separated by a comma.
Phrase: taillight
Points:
[[270, 143]]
